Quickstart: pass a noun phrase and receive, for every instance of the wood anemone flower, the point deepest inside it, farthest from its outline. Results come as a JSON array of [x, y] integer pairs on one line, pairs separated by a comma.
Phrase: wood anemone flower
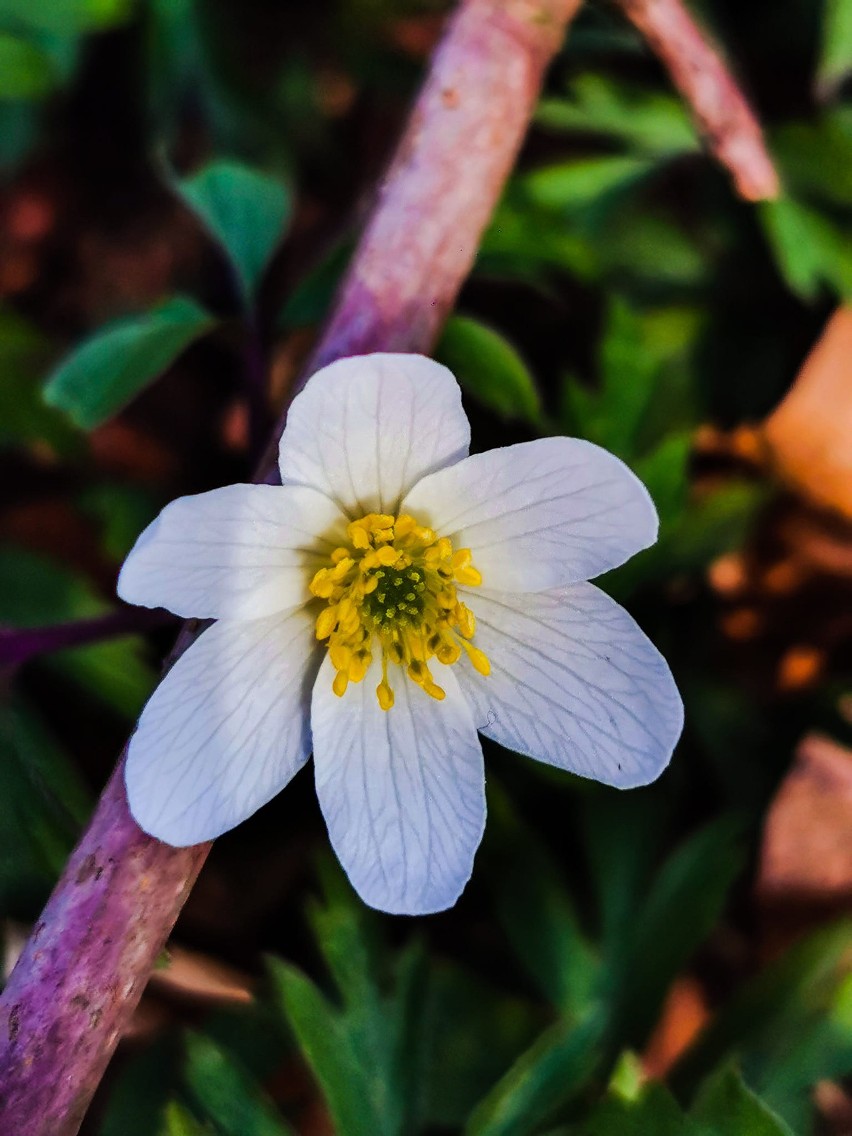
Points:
[[393, 596]]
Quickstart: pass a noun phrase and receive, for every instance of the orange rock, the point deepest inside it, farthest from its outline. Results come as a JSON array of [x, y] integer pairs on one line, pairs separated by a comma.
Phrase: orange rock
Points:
[[807, 841], [807, 437]]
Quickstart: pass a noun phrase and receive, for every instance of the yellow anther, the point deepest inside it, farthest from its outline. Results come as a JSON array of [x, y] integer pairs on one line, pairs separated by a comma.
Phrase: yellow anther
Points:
[[466, 621], [358, 534], [448, 653], [340, 570], [340, 656], [386, 555], [326, 622], [468, 576], [322, 584], [479, 659], [392, 593], [359, 665]]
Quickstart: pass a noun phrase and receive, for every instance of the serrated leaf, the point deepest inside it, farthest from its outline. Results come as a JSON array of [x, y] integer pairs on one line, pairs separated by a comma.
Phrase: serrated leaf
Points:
[[769, 1012], [649, 122], [227, 1094], [44, 804], [677, 914], [244, 210], [115, 364], [26, 72], [489, 368], [537, 912], [654, 1112], [457, 1069], [327, 1047], [137, 1103], [835, 61], [725, 1104], [179, 1121], [574, 185], [812, 253], [550, 1073], [664, 473]]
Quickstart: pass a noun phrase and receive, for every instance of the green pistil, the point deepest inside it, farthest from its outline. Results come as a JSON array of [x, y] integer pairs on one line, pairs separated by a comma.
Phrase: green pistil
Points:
[[398, 597]]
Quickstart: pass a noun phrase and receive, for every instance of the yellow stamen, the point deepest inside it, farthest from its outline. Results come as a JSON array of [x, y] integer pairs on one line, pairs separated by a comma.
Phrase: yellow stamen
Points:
[[393, 590]]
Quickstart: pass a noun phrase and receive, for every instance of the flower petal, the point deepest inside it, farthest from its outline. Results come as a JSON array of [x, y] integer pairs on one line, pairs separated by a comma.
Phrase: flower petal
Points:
[[540, 514], [225, 730], [402, 791], [365, 429], [240, 552], [574, 683]]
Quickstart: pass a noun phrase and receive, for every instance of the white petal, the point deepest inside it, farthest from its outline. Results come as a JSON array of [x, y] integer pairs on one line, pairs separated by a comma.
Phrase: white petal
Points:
[[225, 730], [365, 429], [240, 552], [402, 791], [540, 514], [574, 683]]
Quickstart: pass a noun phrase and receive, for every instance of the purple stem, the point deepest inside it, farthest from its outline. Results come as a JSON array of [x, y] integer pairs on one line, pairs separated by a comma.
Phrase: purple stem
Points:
[[19, 645], [80, 976]]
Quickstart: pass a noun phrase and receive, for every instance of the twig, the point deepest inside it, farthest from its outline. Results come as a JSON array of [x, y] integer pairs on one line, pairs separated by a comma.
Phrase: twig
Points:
[[19, 645], [702, 77], [78, 980]]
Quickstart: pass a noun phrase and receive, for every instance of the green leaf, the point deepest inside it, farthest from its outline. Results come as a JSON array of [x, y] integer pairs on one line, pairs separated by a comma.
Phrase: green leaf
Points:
[[489, 368], [121, 513], [45, 805], [179, 1121], [547, 1075], [654, 1112], [611, 414], [329, 1050], [137, 1103], [681, 909], [244, 210], [810, 250], [115, 364], [374, 1062], [227, 1094], [36, 591], [649, 122], [536, 910], [574, 185], [64, 17], [457, 1069], [835, 61], [766, 1016], [26, 72], [664, 472], [24, 418], [726, 1105], [815, 156]]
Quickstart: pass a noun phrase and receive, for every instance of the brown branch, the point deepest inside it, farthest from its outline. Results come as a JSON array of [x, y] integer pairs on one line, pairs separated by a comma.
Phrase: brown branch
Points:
[[78, 980], [700, 74]]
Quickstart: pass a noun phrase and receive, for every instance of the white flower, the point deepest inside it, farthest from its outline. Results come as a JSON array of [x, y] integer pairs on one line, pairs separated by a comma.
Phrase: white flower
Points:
[[390, 599]]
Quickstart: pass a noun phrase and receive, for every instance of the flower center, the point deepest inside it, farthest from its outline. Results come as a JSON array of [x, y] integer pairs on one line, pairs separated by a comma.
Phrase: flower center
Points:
[[393, 589]]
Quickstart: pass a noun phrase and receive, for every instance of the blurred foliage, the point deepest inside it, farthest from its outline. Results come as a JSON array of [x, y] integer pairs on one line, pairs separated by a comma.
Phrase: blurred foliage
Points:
[[155, 155]]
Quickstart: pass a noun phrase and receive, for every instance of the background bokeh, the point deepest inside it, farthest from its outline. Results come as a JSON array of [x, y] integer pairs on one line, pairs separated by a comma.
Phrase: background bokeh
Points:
[[668, 961]]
